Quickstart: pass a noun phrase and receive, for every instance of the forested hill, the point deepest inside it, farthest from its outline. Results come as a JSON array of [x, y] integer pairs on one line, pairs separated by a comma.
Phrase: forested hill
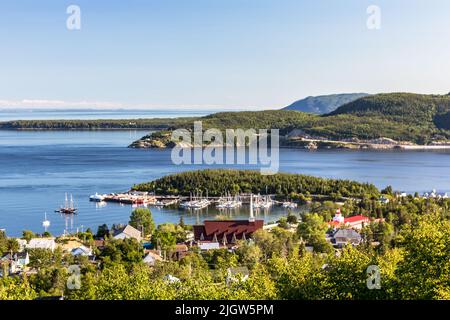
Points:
[[403, 117], [415, 109], [324, 104], [218, 182]]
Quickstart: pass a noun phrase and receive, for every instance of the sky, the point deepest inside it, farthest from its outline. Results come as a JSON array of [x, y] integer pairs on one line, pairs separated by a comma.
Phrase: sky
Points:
[[217, 54]]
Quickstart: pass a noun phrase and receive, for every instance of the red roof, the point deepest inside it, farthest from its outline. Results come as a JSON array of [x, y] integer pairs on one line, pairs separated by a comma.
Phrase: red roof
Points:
[[351, 220], [227, 228], [356, 219]]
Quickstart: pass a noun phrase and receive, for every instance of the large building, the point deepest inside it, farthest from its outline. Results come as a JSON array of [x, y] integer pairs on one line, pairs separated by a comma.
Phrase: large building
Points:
[[228, 231]]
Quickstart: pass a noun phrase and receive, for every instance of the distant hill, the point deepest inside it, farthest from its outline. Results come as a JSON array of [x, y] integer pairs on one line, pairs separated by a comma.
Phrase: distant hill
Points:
[[324, 104], [426, 111]]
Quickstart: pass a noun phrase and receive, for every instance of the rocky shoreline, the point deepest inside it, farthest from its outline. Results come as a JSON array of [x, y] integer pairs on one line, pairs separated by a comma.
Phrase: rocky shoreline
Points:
[[163, 142]]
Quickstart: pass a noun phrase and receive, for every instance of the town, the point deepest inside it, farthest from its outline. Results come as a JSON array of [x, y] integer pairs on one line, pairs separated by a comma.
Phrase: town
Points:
[[231, 251]]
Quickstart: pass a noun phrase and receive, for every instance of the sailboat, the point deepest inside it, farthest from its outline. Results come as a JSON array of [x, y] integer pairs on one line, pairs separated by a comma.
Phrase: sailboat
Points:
[[45, 223], [68, 207]]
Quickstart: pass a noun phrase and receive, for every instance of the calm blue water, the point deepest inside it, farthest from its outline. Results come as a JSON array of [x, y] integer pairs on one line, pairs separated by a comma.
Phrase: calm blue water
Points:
[[48, 114], [37, 168]]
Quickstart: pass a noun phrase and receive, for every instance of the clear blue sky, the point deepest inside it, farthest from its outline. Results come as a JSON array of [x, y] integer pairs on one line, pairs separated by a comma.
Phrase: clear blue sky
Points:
[[222, 53]]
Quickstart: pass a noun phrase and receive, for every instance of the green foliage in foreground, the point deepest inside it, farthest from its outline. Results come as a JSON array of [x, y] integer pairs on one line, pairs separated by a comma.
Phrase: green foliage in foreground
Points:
[[416, 268], [218, 182]]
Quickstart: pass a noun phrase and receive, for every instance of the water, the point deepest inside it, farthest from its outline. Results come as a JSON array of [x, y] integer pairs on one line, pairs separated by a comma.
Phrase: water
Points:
[[85, 114], [37, 168]]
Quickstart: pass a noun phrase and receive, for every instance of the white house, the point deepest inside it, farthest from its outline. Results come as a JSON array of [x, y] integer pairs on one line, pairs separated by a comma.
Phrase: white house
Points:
[[17, 261], [42, 243], [151, 258], [81, 251], [384, 200]]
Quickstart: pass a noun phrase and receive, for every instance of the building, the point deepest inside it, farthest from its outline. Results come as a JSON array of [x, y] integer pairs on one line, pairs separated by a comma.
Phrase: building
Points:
[[152, 257], [228, 231], [346, 236], [81, 251], [384, 200], [356, 222], [128, 232], [206, 246], [16, 261], [42, 243], [180, 251], [435, 195]]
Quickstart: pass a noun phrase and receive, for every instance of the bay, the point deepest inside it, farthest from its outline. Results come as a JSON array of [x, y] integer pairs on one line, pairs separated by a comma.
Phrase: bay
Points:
[[38, 167]]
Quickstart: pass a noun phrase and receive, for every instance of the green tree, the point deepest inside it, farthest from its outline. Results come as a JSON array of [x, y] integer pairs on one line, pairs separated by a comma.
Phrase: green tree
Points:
[[424, 271], [12, 245], [102, 231], [312, 230], [249, 254], [141, 219], [28, 235]]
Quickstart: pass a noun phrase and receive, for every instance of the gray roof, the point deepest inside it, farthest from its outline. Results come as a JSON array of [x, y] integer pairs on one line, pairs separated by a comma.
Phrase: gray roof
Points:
[[347, 233], [129, 231], [239, 270]]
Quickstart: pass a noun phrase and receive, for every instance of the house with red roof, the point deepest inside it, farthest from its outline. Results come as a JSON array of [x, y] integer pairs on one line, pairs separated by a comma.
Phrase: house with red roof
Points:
[[354, 222]]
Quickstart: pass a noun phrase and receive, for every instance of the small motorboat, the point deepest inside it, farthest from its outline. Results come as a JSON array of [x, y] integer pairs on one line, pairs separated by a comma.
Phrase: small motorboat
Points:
[[97, 197]]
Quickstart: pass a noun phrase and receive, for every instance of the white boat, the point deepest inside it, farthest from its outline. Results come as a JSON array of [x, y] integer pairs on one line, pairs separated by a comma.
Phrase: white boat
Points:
[[97, 197], [229, 202], [196, 203], [265, 203], [290, 205]]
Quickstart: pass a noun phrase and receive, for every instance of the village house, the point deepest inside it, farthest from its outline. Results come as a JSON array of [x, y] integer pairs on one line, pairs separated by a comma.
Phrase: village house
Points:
[[42, 243], [151, 257], [128, 232], [16, 261], [435, 195], [81, 251], [343, 237], [355, 222], [180, 251], [384, 200]]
